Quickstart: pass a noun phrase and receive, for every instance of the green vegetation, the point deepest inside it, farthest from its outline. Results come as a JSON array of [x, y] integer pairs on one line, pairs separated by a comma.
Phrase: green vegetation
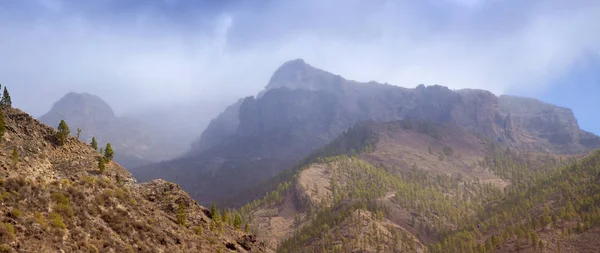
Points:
[[237, 221], [6, 102], [15, 156], [101, 165], [78, 133], [181, 214], [56, 221], [541, 199], [94, 144], [109, 154], [2, 124], [63, 132], [359, 138]]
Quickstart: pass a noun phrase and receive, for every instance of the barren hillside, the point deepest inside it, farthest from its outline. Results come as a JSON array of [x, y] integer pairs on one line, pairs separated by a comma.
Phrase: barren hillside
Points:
[[55, 199]]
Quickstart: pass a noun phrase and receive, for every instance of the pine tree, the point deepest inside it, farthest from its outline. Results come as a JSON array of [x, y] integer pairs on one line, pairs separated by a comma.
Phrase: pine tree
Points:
[[237, 221], [101, 165], [2, 125], [224, 216], [108, 153], [63, 132], [78, 133], [213, 210], [6, 101], [15, 156], [181, 214], [94, 143]]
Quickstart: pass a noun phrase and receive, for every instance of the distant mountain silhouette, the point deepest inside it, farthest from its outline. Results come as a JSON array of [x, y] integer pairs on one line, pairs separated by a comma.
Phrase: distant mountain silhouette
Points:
[[134, 142]]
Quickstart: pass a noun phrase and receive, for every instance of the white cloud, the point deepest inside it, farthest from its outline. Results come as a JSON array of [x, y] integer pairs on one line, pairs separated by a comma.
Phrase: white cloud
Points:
[[152, 59]]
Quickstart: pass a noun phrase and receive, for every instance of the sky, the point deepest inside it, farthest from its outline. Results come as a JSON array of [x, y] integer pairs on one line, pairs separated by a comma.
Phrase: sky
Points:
[[137, 54]]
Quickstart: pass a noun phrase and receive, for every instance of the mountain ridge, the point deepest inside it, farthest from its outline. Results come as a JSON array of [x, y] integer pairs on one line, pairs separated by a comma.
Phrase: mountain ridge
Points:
[[297, 115]]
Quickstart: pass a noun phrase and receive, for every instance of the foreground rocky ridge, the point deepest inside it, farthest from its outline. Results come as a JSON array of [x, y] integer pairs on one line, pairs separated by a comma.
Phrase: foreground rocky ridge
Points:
[[303, 108], [54, 199]]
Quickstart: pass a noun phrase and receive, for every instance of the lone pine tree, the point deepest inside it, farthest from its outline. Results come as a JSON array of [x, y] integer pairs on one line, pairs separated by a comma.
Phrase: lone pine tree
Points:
[[94, 144], [108, 153], [101, 165], [63, 132], [6, 101]]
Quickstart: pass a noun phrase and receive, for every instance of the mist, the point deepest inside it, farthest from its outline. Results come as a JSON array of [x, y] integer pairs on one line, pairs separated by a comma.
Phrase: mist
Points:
[[140, 55]]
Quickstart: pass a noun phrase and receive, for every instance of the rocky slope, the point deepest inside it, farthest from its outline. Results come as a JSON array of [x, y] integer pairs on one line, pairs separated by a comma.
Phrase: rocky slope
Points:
[[303, 108], [135, 143], [55, 199]]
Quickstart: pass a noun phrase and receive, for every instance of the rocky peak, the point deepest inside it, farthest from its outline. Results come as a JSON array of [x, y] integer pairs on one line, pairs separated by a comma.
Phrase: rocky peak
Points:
[[81, 106], [297, 74]]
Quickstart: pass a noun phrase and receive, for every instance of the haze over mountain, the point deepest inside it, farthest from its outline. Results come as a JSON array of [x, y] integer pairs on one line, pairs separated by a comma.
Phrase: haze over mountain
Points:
[[307, 126], [136, 142], [303, 108], [205, 50]]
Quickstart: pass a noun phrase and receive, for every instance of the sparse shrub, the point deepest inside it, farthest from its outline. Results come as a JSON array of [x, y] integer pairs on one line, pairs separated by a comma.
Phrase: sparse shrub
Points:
[[65, 182], [7, 232], [181, 214], [15, 213], [15, 156], [199, 230], [40, 219], [63, 132], [89, 180], [5, 249], [63, 205], [56, 221], [121, 194]]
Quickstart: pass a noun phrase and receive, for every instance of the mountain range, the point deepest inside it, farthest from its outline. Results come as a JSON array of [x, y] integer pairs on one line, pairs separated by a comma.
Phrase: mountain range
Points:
[[303, 108], [312, 163]]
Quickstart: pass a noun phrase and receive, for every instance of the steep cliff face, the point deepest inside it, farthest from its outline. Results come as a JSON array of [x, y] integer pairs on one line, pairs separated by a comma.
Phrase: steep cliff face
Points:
[[544, 126], [218, 129], [303, 108], [134, 142]]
